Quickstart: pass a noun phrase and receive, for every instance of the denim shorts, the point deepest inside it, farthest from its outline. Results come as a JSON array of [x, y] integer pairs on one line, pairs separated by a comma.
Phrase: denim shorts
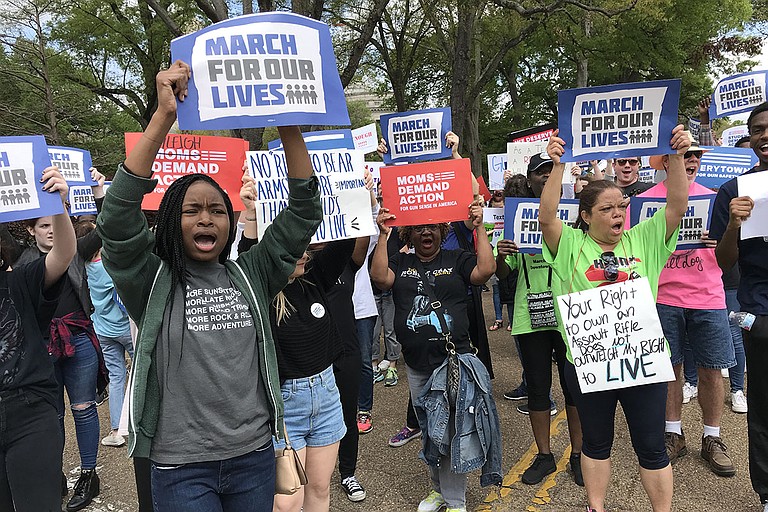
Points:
[[707, 332], [313, 414]]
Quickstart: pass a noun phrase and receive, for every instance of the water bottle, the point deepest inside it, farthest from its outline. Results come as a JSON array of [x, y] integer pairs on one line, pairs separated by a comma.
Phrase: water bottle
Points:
[[743, 319]]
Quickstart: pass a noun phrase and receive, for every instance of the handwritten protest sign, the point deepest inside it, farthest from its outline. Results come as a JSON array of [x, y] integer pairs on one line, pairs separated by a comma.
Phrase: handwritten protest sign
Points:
[[755, 186], [615, 336], [266, 69], [738, 93], [219, 157], [22, 161], [696, 219], [427, 193], [320, 141], [521, 221], [74, 164], [365, 138], [721, 164], [497, 164], [346, 202], [732, 135], [493, 218], [613, 121], [81, 200], [416, 135], [519, 155]]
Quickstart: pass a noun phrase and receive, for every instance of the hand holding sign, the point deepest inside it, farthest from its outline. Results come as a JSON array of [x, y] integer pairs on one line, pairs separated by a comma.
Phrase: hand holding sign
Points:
[[476, 213], [98, 189], [506, 248], [739, 210], [681, 139], [172, 85], [382, 218], [556, 147], [452, 141], [248, 195], [55, 182]]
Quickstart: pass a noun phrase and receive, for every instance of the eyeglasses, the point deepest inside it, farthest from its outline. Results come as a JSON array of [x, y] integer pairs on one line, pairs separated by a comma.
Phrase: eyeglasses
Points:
[[625, 161], [610, 266], [426, 227], [697, 154]]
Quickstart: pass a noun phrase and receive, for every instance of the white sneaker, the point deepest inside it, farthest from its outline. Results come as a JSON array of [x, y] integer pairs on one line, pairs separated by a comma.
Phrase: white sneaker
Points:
[[765, 509], [738, 402], [432, 503], [383, 365], [113, 439], [689, 392]]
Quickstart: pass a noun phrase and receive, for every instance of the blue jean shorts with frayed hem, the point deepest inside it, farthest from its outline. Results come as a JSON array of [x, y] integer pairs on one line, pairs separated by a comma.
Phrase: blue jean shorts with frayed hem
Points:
[[313, 415]]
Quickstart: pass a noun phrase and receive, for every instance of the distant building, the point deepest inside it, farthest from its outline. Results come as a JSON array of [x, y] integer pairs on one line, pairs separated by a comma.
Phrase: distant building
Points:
[[356, 92]]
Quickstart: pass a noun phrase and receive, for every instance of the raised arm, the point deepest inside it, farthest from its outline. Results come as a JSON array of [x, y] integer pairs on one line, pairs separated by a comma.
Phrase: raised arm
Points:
[[381, 275], [65, 244], [296, 154], [677, 181], [486, 263], [727, 251], [171, 84], [551, 225]]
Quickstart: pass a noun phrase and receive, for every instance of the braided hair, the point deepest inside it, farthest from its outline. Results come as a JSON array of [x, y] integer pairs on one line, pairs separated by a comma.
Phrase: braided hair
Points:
[[169, 244]]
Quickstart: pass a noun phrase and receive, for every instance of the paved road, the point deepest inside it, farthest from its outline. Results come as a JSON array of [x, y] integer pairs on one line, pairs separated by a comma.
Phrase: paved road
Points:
[[396, 480]]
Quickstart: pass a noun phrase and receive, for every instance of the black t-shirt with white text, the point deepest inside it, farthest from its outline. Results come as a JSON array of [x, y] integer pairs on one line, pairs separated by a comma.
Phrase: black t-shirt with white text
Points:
[[417, 325]]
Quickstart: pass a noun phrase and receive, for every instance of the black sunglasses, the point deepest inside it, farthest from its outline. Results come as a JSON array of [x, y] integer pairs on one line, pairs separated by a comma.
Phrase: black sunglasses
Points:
[[610, 266], [623, 161], [697, 154]]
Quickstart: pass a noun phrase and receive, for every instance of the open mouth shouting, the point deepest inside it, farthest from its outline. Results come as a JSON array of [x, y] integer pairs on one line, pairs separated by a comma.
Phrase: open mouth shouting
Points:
[[205, 241]]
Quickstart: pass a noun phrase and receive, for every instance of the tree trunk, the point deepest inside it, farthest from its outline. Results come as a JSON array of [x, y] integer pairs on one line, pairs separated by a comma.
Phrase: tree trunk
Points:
[[50, 104], [582, 65], [461, 103]]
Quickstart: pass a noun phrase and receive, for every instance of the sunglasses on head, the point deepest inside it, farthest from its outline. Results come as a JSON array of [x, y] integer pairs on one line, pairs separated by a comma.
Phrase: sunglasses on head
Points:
[[610, 266], [697, 154], [434, 228], [624, 161]]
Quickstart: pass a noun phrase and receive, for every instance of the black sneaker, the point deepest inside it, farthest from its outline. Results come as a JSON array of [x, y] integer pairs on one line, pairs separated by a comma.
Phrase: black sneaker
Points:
[[519, 393], [353, 489], [542, 466], [523, 408], [64, 488], [86, 488], [575, 461], [102, 397]]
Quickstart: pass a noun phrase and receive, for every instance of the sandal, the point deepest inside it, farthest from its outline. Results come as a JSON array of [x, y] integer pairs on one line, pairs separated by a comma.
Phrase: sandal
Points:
[[509, 328], [496, 325]]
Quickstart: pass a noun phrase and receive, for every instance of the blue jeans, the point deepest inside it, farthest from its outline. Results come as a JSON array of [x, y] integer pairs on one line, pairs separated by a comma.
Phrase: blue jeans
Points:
[[114, 350], [498, 307], [365, 328], [241, 484], [77, 374]]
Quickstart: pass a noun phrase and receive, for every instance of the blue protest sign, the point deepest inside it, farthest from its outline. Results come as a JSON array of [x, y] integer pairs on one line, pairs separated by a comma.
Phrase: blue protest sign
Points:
[[266, 69], [22, 161], [74, 164], [521, 221], [722, 163], [81, 200], [738, 93], [614, 121], [696, 219], [416, 135], [320, 141]]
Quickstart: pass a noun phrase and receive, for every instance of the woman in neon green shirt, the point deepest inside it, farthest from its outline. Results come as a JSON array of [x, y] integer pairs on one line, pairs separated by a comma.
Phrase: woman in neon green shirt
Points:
[[602, 252]]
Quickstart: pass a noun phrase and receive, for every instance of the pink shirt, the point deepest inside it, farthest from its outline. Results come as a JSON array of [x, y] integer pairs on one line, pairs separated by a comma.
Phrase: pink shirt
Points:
[[691, 278]]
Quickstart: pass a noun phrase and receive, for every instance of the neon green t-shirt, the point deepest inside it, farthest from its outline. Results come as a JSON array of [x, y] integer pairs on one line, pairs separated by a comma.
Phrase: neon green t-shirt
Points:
[[642, 252], [538, 281]]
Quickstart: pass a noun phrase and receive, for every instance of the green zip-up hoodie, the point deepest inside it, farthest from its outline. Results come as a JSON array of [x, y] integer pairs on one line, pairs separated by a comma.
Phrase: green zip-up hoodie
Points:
[[143, 282]]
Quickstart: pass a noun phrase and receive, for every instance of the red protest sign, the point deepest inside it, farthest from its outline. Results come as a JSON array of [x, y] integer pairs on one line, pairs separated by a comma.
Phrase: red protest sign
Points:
[[221, 158], [483, 189], [427, 193]]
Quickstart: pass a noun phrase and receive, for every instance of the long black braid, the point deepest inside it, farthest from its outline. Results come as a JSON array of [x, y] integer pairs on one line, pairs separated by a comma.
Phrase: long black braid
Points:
[[169, 242]]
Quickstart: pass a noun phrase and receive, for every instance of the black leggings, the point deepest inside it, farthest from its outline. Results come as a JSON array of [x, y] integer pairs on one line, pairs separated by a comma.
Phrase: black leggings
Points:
[[347, 372], [644, 407], [536, 355]]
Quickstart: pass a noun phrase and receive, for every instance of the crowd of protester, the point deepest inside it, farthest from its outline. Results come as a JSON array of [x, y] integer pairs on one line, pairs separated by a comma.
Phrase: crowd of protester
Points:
[[207, 406]]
